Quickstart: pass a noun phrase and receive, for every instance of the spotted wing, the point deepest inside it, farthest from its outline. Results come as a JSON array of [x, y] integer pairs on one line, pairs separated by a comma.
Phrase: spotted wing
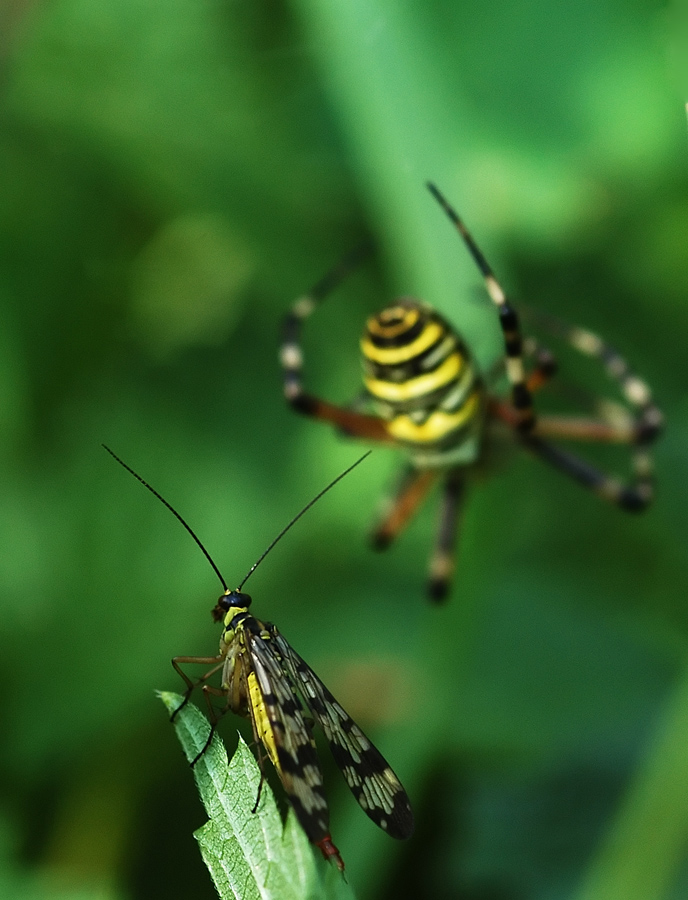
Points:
[[370, 777], [298, 765]]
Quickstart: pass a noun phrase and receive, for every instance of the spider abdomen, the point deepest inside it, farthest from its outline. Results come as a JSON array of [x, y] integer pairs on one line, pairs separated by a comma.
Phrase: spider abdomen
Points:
[[421, 379]]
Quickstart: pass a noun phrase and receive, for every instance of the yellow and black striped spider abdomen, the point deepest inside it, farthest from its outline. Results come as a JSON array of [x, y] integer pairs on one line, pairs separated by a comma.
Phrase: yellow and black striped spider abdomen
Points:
[[420, 378]]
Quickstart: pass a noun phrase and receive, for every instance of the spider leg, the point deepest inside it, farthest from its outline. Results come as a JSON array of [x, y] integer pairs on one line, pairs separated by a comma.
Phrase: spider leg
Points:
[[636, 392], [616, 423], [513, 342], [638, 423], [545, 364], [579, 428], [545, 368], [408, 495], [350, 421], [618, 429], [443, 560], [633, 497]]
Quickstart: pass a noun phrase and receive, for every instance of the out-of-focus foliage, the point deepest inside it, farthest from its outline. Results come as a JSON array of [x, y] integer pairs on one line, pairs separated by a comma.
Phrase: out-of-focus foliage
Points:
[[173, 175]]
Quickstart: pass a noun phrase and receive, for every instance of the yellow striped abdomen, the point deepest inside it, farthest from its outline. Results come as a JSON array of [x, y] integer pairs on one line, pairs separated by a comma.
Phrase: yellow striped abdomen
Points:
[[421, 379]]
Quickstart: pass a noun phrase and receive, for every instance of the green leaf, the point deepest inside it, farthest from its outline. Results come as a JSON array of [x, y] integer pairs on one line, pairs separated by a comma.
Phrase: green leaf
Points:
[[249, 855]]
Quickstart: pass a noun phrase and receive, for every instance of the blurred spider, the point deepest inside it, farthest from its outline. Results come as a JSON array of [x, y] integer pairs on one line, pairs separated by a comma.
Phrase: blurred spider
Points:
[[424, 394]]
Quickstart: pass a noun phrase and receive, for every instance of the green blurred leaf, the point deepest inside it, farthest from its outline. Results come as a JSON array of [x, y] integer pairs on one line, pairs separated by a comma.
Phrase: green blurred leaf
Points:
[[18, 882], [644, 849]]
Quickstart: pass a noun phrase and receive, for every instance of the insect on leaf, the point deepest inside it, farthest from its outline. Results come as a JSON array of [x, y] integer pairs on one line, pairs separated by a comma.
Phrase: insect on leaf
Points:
[[249, 855]]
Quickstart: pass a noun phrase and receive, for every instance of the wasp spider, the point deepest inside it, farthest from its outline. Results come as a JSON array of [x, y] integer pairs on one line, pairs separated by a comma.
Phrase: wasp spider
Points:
[[425, 394]]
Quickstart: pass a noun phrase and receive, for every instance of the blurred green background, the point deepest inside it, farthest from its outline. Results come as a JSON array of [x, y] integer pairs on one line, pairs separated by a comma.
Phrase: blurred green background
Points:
[[172, 175]]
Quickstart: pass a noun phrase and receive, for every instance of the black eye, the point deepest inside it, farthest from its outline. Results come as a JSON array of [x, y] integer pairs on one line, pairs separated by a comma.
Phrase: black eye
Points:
[[240, 600], [233, 600]]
